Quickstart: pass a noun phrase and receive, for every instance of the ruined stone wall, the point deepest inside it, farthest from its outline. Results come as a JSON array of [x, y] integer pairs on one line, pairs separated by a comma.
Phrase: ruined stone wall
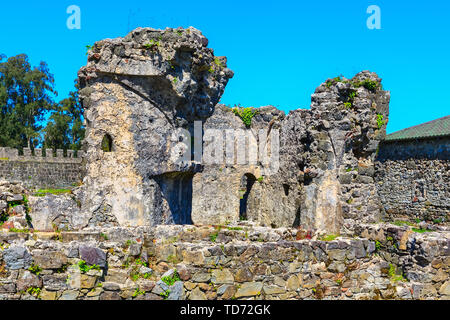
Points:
[[228, 263], [412, 179], [38, 171], [142, 91], [324, 178]]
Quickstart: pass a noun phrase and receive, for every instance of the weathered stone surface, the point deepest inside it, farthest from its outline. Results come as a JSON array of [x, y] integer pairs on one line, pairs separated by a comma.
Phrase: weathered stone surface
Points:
[[243, 275], [117, 276], [69, 295], [17, 258], [197, 294], [110, 295], [87, 282], [176, 291], [222, 277], [49, 259], [445, 289], [93, 256], [61, 211], [249, 289], [28, 280], [55, 282], [179, 81], [201, 277], [48, 295]]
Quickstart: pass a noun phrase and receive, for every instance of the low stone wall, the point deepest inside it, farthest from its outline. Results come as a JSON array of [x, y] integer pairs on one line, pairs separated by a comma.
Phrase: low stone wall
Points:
[[38, 171], [412, 180], [239, 262]]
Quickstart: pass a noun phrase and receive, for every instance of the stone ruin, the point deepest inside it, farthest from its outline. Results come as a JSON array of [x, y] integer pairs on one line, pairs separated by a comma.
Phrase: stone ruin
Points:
[[138, 90], [149, 223]]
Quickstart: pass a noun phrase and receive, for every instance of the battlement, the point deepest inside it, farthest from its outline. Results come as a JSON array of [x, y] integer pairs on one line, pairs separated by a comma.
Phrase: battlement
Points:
[[41, 169], [11, 154]]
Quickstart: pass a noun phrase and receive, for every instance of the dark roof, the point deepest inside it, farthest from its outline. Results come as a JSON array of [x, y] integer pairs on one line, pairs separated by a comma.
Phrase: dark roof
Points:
[[433, 129]]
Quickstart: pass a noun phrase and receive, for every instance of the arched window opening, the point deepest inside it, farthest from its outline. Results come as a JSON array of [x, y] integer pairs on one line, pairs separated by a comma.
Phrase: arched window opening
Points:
[[286, 188], [247, 182], [107, 143]]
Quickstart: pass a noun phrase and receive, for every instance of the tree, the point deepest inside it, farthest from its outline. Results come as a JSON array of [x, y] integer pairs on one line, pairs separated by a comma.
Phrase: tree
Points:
[[25, 98], [64, 128]]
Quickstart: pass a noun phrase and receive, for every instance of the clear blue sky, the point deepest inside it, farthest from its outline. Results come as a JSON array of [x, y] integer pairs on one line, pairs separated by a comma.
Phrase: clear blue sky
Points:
[[280, 50]]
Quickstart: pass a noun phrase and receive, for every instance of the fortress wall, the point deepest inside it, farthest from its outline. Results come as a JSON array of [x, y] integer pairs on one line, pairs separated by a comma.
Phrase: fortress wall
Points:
[[412, 179], [260, 263], [41, 171]]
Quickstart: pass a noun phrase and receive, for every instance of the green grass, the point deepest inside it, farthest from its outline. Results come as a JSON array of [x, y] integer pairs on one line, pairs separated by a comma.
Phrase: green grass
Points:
[[403, 223], [19, 230], [421, 230], [393, 274], [44, 192], [213, 236], [329, 237]]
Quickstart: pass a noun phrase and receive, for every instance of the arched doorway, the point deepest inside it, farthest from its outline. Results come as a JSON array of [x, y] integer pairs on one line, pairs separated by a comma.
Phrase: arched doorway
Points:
[[247, 182], [107, 143]]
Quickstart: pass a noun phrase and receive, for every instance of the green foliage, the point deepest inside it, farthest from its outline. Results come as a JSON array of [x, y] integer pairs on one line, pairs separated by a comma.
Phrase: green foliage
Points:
[[218, 63], [170, 280], [402, 223], [82, 265], [333, 81], [172, 259], [34, 291], [88, 48], [329, 237], [421, 230], [140, 262], [35, 269], [152, 44], [246, 114], [393, 274], [65, 128], [19, 230], [368, 84], [378, 245], [213, 236], [380, 121], [260, 179], [165, 294], [25, 99], [437, 221], [44, 192], [138, 292]]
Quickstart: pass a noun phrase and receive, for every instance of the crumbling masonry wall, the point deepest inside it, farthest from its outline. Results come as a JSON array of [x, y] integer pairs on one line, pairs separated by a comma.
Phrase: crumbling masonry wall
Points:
[[245, 263], [412, 179], [34, 170], [140, 90]]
